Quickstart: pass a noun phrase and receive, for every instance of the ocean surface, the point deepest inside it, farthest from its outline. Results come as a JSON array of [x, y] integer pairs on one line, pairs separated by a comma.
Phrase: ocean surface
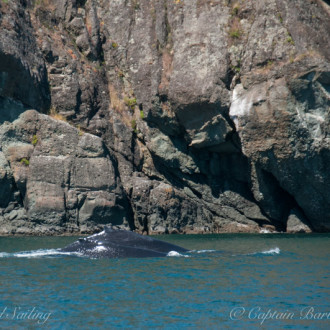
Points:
[[244, 281]]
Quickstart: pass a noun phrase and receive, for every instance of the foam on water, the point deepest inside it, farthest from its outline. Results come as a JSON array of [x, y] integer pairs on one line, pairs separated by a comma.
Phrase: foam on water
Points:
[[275, 250], [36, 254], [176, 254], [264, 231], [203, 251], [55, 252], [272, 252]]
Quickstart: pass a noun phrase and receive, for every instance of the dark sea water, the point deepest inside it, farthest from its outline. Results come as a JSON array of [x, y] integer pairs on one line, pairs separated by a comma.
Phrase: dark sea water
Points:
[[228, 281]]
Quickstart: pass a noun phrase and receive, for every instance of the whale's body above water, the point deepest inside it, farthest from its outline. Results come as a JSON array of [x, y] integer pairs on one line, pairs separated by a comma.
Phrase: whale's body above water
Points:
[[115, 243]]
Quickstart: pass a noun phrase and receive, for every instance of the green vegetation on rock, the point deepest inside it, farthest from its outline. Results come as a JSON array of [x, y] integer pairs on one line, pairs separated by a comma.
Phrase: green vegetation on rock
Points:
[[130, 102], [25, 161], [133, 125], [34, 140], [235, 34]]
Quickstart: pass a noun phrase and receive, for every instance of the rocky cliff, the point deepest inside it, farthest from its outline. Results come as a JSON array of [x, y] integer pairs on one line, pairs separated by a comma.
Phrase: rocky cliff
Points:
[[164, 116]]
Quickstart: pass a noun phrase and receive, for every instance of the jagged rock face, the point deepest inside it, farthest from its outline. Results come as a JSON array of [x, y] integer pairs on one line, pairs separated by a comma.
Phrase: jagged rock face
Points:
[[291, 150], [65, 179], [23, 75], [205, 116]]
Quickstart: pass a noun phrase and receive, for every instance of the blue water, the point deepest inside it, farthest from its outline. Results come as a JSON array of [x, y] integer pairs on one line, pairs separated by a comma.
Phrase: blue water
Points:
[[243, 281]]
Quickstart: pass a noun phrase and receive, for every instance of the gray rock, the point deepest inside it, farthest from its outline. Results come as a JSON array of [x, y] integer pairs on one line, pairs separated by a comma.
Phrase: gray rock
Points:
[[173, 152], [6, 181], [23, 77], [83, 43], [69, 179], [289, 152], [94, 173], [297, 223]]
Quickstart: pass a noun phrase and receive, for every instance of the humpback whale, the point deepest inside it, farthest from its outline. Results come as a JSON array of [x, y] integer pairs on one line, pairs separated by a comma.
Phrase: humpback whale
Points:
[[116, 243]]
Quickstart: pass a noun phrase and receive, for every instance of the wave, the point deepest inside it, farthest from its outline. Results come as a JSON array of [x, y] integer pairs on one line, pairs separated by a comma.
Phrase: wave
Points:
[[56, 253], [202, 251], [176, 254], [265, 231], [273, 251], [36, 254]]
